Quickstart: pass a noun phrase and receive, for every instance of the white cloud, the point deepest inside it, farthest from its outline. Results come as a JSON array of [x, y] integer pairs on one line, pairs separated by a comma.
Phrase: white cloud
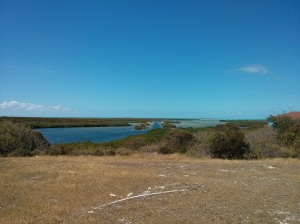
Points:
[[254, 69], [59, 107], [15, 106]]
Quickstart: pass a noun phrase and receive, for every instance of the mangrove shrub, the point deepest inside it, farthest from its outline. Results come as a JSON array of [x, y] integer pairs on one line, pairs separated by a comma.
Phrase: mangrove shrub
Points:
[[288, 131], [227, 141], [177, 140], [18, 140]]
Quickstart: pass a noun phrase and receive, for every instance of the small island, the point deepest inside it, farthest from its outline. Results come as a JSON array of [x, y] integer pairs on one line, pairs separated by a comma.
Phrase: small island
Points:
[[144, 125]]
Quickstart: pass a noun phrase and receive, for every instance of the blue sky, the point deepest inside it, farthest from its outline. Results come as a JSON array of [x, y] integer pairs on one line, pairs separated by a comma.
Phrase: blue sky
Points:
[[177, 59]]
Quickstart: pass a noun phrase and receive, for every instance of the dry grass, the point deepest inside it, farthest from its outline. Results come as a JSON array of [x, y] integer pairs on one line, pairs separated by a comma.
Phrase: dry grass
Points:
[[82, 189]]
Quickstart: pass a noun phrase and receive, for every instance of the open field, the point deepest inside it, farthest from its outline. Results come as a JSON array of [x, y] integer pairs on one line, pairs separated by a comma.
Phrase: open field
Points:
[[148, 188]]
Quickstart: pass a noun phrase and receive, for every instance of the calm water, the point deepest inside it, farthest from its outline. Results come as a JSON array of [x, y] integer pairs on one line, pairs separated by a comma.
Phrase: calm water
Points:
[[93, 134], [105, 134]]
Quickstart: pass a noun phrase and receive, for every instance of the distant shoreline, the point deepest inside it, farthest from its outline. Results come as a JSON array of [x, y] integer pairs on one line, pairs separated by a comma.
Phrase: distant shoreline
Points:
[[44, 122], [59, 122]]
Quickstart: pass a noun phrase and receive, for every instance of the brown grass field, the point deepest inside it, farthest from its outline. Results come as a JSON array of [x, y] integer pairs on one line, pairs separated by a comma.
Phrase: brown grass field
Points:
[[148, 188]]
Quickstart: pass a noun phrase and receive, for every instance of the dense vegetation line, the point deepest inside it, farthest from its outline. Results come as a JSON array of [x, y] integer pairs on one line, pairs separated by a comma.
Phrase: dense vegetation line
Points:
[[232, 140], [247, 123], [41, 122]]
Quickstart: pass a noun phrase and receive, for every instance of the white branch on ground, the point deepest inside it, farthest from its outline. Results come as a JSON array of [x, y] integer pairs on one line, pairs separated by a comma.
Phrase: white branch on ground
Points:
[[137, 196]]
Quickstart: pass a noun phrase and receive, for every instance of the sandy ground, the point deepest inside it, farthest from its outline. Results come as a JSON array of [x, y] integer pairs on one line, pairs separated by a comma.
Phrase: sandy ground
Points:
[[148, 188]]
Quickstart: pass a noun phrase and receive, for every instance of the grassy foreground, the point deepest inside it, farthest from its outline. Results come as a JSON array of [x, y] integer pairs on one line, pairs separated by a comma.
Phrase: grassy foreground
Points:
[[154, 188]]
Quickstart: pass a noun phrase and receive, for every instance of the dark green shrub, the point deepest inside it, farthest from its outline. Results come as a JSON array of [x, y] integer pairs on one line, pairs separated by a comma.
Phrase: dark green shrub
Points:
[[165, 150], [155, 135], [135, 142], [99, 152], [57, 150], [177, 140], [291, 136], [288, 132], [19, 140], [281, 123], [111, 152], [227, 141]]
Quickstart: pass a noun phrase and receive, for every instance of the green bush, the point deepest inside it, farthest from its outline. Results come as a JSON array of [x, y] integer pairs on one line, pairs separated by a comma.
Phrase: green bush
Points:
[[288, 132], [177, 140], [165, 150], [135, 142], [227, 141], [19, 140], [291, 136], [281, 123]]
